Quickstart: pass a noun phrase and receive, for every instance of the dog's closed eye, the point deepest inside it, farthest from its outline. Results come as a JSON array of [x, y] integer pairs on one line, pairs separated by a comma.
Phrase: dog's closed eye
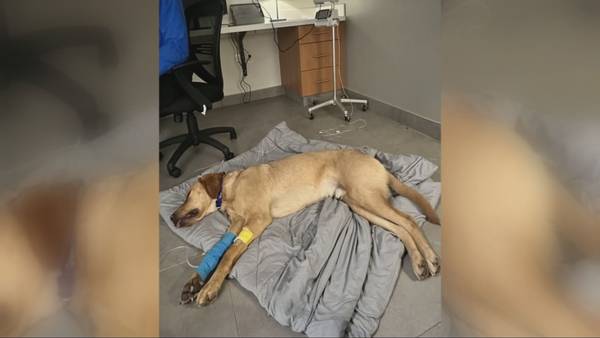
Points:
[[193, 213]]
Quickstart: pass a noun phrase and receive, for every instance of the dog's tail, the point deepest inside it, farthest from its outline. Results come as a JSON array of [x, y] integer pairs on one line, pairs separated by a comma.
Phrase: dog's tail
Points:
[[413, 195]]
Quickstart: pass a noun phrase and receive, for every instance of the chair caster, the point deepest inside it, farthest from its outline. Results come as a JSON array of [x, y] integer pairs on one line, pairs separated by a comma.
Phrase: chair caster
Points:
[[365, 107], [174, 171], [160, 156], [229, 156], [233, 135], [178, 118]]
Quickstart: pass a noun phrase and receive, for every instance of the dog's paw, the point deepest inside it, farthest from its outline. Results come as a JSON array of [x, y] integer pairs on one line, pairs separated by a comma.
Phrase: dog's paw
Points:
[[191, 289], [208, 293], [434, 265], [420, 269]]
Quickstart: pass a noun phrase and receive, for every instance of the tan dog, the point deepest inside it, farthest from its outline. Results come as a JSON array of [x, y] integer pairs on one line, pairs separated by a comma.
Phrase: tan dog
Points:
[[109, 229], [254, 196]]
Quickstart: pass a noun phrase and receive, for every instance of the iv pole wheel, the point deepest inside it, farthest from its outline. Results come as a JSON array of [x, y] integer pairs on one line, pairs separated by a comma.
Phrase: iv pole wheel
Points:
[[347, 118], [311, 116], [365, 107]]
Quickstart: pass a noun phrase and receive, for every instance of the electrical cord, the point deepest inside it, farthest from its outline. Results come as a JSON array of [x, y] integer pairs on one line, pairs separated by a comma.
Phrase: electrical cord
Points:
[[339, 69], [187, 259], [244, 86], [247, 97]]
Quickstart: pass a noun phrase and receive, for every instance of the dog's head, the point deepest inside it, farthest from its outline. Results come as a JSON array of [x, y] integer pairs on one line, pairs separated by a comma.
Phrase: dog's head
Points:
[[200, 200], [35, 230]]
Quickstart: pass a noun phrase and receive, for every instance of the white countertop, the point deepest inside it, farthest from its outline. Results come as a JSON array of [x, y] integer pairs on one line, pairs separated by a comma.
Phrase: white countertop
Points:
[[293, 17]]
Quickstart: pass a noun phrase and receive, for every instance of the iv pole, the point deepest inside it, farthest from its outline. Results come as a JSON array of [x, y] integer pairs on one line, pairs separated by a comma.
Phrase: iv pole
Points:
[[333, 21], [277, 13]]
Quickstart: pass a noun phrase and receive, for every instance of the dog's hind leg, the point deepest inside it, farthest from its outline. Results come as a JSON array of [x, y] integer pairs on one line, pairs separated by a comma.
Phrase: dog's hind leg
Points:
[[391, 213], [377, 204], [419, 264]]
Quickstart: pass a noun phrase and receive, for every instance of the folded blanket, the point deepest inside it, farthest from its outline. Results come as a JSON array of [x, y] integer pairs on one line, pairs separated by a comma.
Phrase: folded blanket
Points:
[[323, 271]]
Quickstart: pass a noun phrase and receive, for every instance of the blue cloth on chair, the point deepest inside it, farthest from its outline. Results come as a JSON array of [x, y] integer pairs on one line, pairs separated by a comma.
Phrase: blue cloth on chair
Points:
[[173, 35], [212, 257]]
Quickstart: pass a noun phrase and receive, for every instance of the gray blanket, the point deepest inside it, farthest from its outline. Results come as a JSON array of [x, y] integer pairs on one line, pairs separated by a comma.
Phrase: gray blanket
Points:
[[323, 270]]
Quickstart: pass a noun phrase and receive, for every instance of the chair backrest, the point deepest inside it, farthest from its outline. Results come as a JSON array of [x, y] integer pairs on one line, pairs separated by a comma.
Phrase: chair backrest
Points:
[[204, 19]]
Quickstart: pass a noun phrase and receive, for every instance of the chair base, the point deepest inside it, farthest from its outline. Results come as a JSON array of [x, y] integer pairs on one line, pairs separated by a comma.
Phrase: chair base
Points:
[[193, 138]]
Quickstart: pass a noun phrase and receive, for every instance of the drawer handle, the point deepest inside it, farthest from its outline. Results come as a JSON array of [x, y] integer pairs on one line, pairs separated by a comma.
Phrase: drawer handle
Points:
[[321, 56]]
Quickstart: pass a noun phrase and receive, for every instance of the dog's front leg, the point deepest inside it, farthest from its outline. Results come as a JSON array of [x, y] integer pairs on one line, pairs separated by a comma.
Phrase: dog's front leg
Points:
[[251, 230], [196, 283], [210, 291]]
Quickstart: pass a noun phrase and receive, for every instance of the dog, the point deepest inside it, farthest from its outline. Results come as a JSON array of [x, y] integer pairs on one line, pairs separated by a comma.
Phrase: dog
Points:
[[253, 197], [105, 228]]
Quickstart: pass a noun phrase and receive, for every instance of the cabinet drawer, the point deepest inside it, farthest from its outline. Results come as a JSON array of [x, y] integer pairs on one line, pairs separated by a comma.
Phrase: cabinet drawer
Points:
[[318, 55], [318, 34], [318, 81]]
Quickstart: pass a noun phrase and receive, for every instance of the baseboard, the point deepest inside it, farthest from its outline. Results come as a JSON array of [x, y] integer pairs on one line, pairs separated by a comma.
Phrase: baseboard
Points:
[[412, 120], [265, 93]]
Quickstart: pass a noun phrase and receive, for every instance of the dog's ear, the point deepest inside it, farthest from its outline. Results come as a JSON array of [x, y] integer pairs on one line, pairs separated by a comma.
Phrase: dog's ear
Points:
[[212, 183], [47, 215]]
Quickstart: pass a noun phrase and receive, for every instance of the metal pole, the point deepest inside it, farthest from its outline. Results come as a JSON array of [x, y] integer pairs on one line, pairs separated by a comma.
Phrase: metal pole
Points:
[[334, 59], [277, 19]]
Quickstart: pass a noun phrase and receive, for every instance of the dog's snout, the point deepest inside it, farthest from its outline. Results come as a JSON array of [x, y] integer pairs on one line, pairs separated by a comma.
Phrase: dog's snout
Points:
[[180, 220]]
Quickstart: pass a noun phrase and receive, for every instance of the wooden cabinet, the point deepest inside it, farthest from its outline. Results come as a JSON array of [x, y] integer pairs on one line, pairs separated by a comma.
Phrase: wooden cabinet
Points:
[[307, 67]]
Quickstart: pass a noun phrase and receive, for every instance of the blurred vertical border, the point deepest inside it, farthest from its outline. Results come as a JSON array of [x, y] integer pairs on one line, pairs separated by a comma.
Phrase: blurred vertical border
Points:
[[79, 167], [520, 166]]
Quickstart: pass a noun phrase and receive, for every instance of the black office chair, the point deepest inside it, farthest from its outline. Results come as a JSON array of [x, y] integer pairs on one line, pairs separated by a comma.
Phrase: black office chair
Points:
[[204, 18]]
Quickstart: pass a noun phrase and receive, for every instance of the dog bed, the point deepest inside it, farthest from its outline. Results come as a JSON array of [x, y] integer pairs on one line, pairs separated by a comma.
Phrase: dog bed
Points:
[[323, 270]]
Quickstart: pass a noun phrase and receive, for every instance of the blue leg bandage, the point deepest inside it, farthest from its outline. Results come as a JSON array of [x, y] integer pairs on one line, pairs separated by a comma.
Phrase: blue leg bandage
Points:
[[212, 257]]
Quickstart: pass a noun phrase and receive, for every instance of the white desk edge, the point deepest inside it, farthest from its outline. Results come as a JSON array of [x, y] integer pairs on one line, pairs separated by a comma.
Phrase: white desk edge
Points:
[[267, 25]]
